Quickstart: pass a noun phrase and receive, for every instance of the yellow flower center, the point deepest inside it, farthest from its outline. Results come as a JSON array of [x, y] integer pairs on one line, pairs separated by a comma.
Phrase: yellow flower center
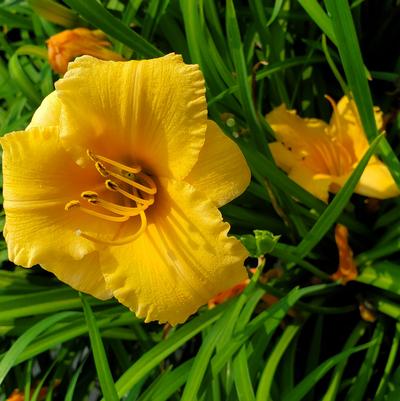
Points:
[[137, 190]]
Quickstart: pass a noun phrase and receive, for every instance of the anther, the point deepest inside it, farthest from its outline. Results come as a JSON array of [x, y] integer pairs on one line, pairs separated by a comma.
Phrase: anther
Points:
[[71, 204], [91, 155], [101, 169], [90, 195], [111, 185]]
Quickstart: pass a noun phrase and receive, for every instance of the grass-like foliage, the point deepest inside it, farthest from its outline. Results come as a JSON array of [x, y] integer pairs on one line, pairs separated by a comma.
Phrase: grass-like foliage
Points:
[[293, 334]]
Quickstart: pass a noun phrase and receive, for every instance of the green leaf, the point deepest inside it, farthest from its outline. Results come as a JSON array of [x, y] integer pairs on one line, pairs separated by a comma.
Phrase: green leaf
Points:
[[236, 47], [267, 376], [24, 83], [358, 389], [56, 13], [334, 385], [317, 374], [318, 15], [243, 384], [168, 383], [99, 354], [203, 355], [383, 385], [8, 360], [275, 12], [144, 365], [335, 208], [72, 383], [269, 319], [385, 275], [350, 54], [13, 20], [100, 17]]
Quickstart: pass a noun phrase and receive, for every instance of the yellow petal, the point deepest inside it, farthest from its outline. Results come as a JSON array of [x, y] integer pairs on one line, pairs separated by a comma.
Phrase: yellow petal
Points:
[[348, 109], [377, 182], [292, 129], [182, 260], [82, 275], [48, 113], [140, 111], [345, 123], [317, 184], [39, 178], [284, 158], [221, 173], [305, 138]]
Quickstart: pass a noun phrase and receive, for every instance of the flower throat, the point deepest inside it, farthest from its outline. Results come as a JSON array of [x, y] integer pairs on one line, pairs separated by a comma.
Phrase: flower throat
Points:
[[137, 190]]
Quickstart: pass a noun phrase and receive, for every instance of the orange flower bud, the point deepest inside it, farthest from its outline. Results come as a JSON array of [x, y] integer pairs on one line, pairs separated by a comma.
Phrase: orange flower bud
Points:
[[66, 45]]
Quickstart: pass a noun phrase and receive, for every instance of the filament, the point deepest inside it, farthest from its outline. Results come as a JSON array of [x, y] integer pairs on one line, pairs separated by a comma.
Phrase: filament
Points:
[[93, 198], [122, 241], [76, 204], [96, 158], [112, 186], [151, 191]]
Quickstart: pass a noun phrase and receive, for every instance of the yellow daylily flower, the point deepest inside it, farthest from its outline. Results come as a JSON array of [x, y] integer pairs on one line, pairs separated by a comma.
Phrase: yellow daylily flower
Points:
[[116, 183], [320, 157], [64, 46]]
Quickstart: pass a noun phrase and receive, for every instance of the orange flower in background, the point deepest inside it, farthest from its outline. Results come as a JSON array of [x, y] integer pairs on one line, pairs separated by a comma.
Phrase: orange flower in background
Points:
[[18, 395], [228, 294], [347, 269], [66, 45], [320, 157], [237, 289], [115, 187]]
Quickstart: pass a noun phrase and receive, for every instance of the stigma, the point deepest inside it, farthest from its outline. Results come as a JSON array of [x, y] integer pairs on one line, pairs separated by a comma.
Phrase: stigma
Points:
[[136, 193]]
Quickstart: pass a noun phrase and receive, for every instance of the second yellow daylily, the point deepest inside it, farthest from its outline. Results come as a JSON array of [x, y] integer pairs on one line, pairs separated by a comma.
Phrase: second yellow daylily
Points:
[[116, 183], [320, 157]]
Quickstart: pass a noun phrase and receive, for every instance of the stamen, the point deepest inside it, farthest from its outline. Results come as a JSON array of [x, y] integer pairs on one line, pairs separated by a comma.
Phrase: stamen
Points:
[[141, 191], [94, 199], [76, 204], [151, 191], [113, 186], [96, 158], [122, 241], [106, 173], [336, 113]]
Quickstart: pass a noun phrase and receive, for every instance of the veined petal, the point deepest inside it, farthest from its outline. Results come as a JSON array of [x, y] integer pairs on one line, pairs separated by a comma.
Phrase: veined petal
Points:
[[377, 182], [182, 260], [152, 112], [48, 113], [82, 275], [221, 173], [283, 157], [317, 184], [346, 123], [39, 178], [305, 138]]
